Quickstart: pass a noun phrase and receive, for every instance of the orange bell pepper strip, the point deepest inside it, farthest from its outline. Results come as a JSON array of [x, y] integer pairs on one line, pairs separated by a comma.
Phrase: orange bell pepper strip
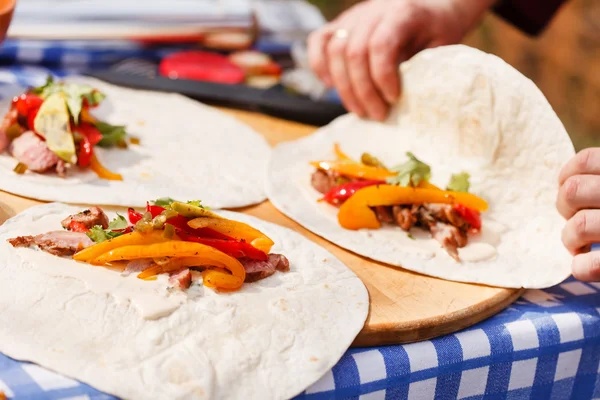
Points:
[[235, 229], [85, 116], [103, 172], [214, 278], [355, 170], [427, 185], [134, 238], [175, 248], [356, 213], [340, 154]]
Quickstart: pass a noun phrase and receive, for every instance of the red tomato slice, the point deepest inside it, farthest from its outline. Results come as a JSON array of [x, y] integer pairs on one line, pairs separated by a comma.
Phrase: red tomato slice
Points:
[[201, 66]]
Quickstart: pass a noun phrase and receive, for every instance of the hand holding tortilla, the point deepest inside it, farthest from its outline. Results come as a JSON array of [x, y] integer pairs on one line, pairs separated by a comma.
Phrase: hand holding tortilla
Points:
[[578, 202], [170, 238], [466, 121]]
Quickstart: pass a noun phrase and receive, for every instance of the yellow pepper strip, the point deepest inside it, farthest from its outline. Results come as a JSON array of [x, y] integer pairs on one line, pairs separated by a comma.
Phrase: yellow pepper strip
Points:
[[179, 263], [235, 229], [103, 172], [354, 170], [340, 154], [175, 249], [356, 213], [220, 280], [134, 238], [85, 116]]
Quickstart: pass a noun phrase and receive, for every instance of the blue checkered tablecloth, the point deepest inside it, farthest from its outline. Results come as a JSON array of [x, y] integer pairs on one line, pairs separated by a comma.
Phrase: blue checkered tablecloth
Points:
[[545, 346]]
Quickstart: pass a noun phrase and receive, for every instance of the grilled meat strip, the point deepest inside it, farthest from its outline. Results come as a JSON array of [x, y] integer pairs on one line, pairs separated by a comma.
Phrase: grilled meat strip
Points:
[[32, 151], [90, 217], [181, 279], [444, 223], [257, 270], [59, 243]]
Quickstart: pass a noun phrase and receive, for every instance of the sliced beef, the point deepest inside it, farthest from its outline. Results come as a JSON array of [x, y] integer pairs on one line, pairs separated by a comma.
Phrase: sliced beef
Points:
[[32, 151], [90, 217], [9, 120], [446, 213], [59, 243], [257, 270], [450, 237], [384, 214], [322, 181], [136, 266], [404, 217], [181, 279]]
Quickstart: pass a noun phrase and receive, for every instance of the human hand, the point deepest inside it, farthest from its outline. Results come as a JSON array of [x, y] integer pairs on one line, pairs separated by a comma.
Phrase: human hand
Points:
[[359, 52], [579, 202]]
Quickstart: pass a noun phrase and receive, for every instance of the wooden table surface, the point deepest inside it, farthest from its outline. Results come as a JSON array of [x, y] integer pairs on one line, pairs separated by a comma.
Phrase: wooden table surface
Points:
[[404, 306]]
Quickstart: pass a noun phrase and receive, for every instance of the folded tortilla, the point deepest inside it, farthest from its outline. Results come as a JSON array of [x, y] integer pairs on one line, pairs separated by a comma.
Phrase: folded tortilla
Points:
[[270, 340], [460, 110], [187, 151]]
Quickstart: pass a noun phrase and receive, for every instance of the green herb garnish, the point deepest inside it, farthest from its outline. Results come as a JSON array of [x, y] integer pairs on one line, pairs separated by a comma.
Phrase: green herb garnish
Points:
[[163, 202], [411, 173], [98, 234], [459, 182], [112, 135]]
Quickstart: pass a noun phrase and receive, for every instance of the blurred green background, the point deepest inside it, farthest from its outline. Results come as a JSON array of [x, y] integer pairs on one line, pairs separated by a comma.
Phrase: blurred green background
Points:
[[564, 61]]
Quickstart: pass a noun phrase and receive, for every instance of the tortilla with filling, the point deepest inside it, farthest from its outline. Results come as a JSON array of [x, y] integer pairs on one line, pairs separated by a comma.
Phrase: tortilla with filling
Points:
[[272, 339], [461, 110], [186, 150]]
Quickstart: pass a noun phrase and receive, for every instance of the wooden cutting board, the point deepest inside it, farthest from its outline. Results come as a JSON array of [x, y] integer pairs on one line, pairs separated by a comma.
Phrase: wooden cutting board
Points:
[[404, 306]]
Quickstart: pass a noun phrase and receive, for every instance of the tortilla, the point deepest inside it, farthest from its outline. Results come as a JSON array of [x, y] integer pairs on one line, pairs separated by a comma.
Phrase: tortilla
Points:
[[187, 150], [272, 339], [461, 110]]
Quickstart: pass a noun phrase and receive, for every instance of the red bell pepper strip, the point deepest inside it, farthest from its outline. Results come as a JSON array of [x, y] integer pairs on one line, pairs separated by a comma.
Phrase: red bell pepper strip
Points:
[[181, 223], [134, 216], [31, 118], [154, 210], [233, 248], [341, 193], [77, 226], [27, 102], [89, 131], [473, 217], [86, 151]]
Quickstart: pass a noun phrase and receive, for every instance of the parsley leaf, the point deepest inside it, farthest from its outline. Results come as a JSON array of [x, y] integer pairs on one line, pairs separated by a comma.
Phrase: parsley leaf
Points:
[[459, 182], [118, 223], [98, 235], [163, 201], [111, 134], [411, 173]]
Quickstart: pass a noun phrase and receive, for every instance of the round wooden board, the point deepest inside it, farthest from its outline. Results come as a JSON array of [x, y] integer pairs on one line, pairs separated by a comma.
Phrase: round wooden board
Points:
[[404, 306]]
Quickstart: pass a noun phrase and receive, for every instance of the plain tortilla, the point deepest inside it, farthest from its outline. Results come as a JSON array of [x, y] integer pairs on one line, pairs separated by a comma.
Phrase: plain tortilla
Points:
[[461, 110], [188, 151], [271, 340]]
